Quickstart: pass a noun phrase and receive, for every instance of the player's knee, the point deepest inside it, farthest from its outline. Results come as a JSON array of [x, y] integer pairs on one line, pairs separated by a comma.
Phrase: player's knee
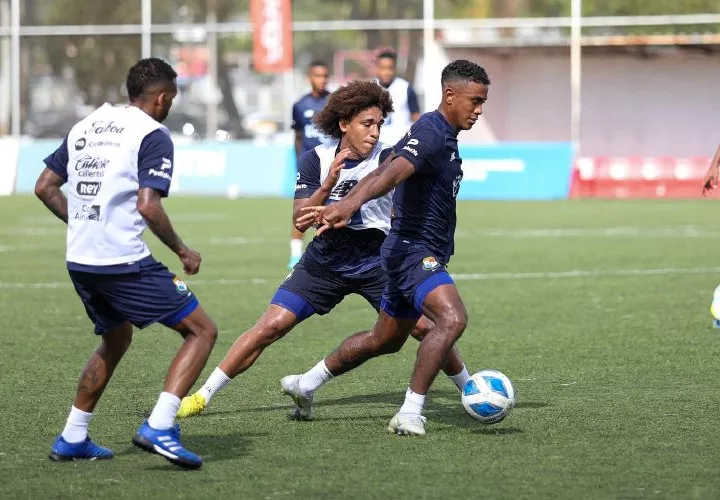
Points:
[[392, 346], [422, 328], [207, 331], [454, 322], [273, 328], [382, 345]]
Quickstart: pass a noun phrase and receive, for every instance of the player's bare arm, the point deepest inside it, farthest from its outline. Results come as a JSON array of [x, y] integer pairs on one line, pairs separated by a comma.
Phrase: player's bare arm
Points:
[[150, 206], [47, 188], [321, 195], [391, 173], [711, 177]]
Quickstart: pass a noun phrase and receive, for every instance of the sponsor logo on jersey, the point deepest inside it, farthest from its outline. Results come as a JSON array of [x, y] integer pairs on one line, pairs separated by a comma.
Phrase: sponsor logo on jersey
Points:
[[180, 285], [429, 263]]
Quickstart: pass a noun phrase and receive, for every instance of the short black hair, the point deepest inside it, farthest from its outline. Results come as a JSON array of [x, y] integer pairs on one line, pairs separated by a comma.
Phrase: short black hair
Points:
[[346, 102], [146, 74], [464, 71], [315, 63], [387, 54]]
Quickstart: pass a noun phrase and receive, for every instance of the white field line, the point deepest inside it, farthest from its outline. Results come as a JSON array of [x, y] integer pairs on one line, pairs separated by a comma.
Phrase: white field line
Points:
[[578, 273], [612, 232]]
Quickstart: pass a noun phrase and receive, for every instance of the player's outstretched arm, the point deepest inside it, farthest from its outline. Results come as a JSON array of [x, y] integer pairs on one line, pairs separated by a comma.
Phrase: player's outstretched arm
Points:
[[392, 172], [47, 188], [711, 177], [322, 193], [380, 181], [150, 206]]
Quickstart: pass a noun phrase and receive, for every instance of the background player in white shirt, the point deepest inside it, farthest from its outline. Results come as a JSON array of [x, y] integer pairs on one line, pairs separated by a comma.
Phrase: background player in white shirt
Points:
[[118, 164], [405, 101]]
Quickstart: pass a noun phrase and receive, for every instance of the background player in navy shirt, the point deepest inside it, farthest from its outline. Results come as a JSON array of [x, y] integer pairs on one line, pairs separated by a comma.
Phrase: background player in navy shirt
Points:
[[426, 173], [118, 166], [335, 264], [307, 136]]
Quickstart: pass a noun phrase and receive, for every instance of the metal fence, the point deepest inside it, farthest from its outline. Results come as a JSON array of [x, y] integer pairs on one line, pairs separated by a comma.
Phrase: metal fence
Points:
[[51, 74]]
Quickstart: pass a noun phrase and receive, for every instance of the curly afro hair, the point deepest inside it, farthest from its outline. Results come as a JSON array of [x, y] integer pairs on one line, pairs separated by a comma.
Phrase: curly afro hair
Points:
[[347, 101]]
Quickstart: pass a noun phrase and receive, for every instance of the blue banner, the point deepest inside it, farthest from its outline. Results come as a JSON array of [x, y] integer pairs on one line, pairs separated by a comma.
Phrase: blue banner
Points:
[[516, 171], [508, 171]]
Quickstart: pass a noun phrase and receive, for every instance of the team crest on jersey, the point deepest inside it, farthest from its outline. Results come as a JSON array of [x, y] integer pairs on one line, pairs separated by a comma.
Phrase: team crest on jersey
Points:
[[180, 285], [429, 263]]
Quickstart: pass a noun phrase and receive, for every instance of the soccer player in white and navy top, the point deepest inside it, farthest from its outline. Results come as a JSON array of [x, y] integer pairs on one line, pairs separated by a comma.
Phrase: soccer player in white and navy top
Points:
[[405, 101], [118, 164], [333, 266]]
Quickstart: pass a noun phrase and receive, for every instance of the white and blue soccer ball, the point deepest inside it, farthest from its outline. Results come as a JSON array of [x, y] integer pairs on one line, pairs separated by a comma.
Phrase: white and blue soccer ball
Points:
[[488, 396]]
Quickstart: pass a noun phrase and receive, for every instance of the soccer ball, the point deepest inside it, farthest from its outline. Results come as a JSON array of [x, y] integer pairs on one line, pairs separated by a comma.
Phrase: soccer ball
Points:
[[488, 396]]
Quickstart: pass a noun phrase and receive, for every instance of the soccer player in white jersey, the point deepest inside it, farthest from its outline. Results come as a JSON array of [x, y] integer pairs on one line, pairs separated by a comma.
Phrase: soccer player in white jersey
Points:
[[336, 264], [118, 164], [405, 101]]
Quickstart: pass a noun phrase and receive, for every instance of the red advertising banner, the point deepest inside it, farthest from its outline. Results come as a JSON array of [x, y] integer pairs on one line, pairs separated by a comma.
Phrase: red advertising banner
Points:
[[272, 35]]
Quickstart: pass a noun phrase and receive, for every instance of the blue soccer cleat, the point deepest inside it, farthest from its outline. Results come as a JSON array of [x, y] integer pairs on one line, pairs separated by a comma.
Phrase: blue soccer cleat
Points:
[[62, 451], [167, 444]]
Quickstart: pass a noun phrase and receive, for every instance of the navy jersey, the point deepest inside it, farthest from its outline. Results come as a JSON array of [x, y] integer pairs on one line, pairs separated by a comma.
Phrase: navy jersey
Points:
[[424, 209], [347, 252], [302, 114]]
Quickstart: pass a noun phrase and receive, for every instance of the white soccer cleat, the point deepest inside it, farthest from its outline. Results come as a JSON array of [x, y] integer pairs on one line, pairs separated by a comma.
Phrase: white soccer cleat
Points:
[[407, 424], [303, 404]]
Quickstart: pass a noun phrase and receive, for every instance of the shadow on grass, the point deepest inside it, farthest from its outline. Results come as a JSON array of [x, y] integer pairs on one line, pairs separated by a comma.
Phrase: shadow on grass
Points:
[[211, 447]]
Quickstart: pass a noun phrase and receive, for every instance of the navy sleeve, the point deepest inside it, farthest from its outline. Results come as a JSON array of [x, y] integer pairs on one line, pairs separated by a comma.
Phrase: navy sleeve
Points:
[[412, 101], [420, 146], [384, 154], [297, 119], [155, 161], [58, 161], [308, 176]]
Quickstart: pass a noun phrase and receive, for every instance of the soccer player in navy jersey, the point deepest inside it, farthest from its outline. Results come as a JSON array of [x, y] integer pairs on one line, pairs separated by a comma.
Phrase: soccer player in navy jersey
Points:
[[118, 164], [425, 171], [307, 135], [336, 264]]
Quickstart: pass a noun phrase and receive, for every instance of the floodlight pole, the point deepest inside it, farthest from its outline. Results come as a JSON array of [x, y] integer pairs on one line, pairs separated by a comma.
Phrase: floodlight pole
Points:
[[575, 73], [428, 41], [146, 28], [15, 66]]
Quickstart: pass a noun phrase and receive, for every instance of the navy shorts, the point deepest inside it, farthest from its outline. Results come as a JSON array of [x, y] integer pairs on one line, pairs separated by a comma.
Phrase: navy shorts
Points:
[[307, 291], [150, 294], [413, 272]]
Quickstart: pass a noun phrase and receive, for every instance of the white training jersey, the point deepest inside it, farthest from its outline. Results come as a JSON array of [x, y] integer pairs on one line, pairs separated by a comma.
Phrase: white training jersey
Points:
[[374, 214], [104, 225], [399, 121]]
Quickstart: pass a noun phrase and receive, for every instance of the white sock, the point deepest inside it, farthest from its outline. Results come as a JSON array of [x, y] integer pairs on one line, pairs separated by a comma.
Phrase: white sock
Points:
[[313, 379], [413, 403], [296, 248], [215, 382], [163, 415], [76, 427], [461, 378]]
